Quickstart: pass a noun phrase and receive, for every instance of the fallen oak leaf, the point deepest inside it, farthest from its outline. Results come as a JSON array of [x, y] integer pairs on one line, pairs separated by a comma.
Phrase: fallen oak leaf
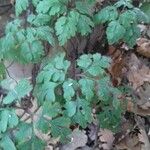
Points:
[[143, 47], [137, 73], [134, 108], [142, 135], [117, 67], [107, 138]]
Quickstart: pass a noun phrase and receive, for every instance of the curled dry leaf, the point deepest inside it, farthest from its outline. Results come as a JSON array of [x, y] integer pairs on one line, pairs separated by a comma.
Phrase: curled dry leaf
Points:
[[137, 73], [107, 138], [142, 105], [129, 142], [117, 67], [144, 98], [131, 107], [143, 47], [143, 138]]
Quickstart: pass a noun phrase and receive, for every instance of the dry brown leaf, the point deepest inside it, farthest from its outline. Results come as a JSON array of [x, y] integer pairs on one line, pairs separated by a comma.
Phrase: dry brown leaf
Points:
[[143, 47], [107, 138], [129, 143], [78, 139], [137, 73], [118, 65], [144, 96], [142, 104], [132, 107], [142, 135]]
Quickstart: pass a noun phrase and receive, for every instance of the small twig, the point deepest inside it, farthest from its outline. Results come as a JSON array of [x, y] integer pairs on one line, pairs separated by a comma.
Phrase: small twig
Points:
[[5, 5], [10, 75], [10, 64], [96, 136]]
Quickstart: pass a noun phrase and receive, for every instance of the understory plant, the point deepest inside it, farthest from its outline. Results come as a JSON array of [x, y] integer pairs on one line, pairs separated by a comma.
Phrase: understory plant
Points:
[[71, 89]]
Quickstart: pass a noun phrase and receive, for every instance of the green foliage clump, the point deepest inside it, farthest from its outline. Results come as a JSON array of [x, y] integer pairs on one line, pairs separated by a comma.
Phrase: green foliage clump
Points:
[[63, 101], [122, 19]]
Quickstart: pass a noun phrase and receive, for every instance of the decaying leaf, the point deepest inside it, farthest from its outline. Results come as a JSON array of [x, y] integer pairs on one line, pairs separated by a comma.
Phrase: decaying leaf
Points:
[[144, 97], [137, 73], [142, 104], [143, 47], [129, 144], [107, 138], [117, 66], [78, 139], [143, 135]]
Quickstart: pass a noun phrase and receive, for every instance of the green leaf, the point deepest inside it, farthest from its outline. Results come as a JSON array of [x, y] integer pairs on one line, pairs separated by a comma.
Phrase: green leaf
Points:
[[13, 119], [116, 103], [146, 9], [60, 128], [84, 7], [70, 108], [99, 64], [20, 6], [55, 70], [108, 13], [94, 64], [8, 119], [32, 52], [13, 26], [124, 3], [22, 89], [110, 119], [84, 61], [115, 31], [2, 71], [39, 20], [43, 125], [7, 144], [52, 7], [66, 27], [83, 114], [84, 25], [68, 89], [51, 109], [104, 92], [35, 2], [87, 87], [23, 133], [141, 16], [132, 34], [8, 43], [127, 18], [52, 75], [46, 33], [4, 117], [33, 143], [46, 92]]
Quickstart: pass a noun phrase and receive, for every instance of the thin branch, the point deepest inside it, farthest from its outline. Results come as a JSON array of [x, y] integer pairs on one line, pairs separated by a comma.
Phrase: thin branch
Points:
[[5, 5]]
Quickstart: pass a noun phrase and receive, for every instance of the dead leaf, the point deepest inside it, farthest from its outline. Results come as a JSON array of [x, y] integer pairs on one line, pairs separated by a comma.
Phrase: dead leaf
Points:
[[143, 47], [132, 107], [78, 139], [107, 138], [144, 96], [92, 131], [142, 135], [137, 73], [118, 66], [129, 143]]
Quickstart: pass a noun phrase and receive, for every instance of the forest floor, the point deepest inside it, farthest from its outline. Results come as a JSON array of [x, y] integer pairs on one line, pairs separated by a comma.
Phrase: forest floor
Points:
[[130, 68]]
